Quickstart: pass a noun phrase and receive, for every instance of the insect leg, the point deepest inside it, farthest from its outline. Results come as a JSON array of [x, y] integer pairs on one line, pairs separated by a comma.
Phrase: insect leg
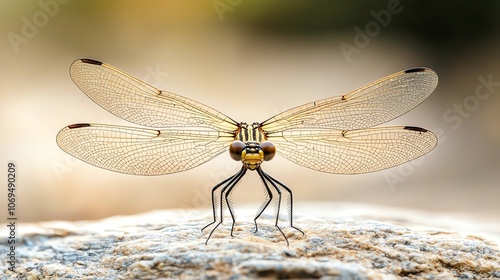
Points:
[[290, 201], [228, 193], [265, 176], [214, 201], [233, 180], [269, 197]]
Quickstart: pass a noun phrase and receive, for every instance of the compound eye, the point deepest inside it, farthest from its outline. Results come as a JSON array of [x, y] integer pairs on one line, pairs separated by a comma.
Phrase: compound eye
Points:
[[269, 150], [236, 149]]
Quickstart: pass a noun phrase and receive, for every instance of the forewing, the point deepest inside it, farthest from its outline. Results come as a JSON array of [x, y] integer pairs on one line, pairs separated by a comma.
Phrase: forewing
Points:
[[354, 152], [142, 151], [368, 106], [138, 102]]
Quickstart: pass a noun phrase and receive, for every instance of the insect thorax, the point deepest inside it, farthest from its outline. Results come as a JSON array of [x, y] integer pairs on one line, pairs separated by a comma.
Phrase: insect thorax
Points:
[[247, 133]]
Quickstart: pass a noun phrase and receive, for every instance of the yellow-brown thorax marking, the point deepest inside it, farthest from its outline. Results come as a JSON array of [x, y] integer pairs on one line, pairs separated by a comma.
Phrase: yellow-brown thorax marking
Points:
[[250, 134]]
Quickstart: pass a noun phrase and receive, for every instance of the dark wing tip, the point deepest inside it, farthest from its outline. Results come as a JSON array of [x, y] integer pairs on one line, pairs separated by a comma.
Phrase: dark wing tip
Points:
[[414, 128], [91, 61], [78, 125], [417, 69]]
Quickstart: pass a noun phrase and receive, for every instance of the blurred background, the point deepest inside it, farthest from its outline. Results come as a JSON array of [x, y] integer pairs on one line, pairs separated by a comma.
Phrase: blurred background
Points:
[[250, 60]]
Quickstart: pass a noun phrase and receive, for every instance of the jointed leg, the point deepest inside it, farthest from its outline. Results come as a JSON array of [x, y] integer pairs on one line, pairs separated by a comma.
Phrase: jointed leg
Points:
[[265, 177], [232, 181], [290, 200], [228, 193], [269, 197], [214, 202]]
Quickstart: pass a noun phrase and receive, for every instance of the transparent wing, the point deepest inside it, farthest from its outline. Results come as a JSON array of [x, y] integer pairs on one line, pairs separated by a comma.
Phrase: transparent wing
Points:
[[138, 102], [142, 151], [356, 151], [368, 106]]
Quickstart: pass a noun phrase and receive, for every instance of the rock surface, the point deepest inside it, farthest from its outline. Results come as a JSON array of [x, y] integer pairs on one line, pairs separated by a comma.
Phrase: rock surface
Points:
[[170, 245]]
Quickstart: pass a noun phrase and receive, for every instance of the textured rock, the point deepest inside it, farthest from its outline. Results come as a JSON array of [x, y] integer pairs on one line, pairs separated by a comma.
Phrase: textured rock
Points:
[[169, 244]]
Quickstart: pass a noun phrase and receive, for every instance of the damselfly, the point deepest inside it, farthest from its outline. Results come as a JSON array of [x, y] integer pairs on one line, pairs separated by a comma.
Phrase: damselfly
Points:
[[334, 135]]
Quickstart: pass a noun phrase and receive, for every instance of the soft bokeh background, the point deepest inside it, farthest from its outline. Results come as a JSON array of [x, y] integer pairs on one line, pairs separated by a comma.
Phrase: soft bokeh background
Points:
[[250, 60]]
